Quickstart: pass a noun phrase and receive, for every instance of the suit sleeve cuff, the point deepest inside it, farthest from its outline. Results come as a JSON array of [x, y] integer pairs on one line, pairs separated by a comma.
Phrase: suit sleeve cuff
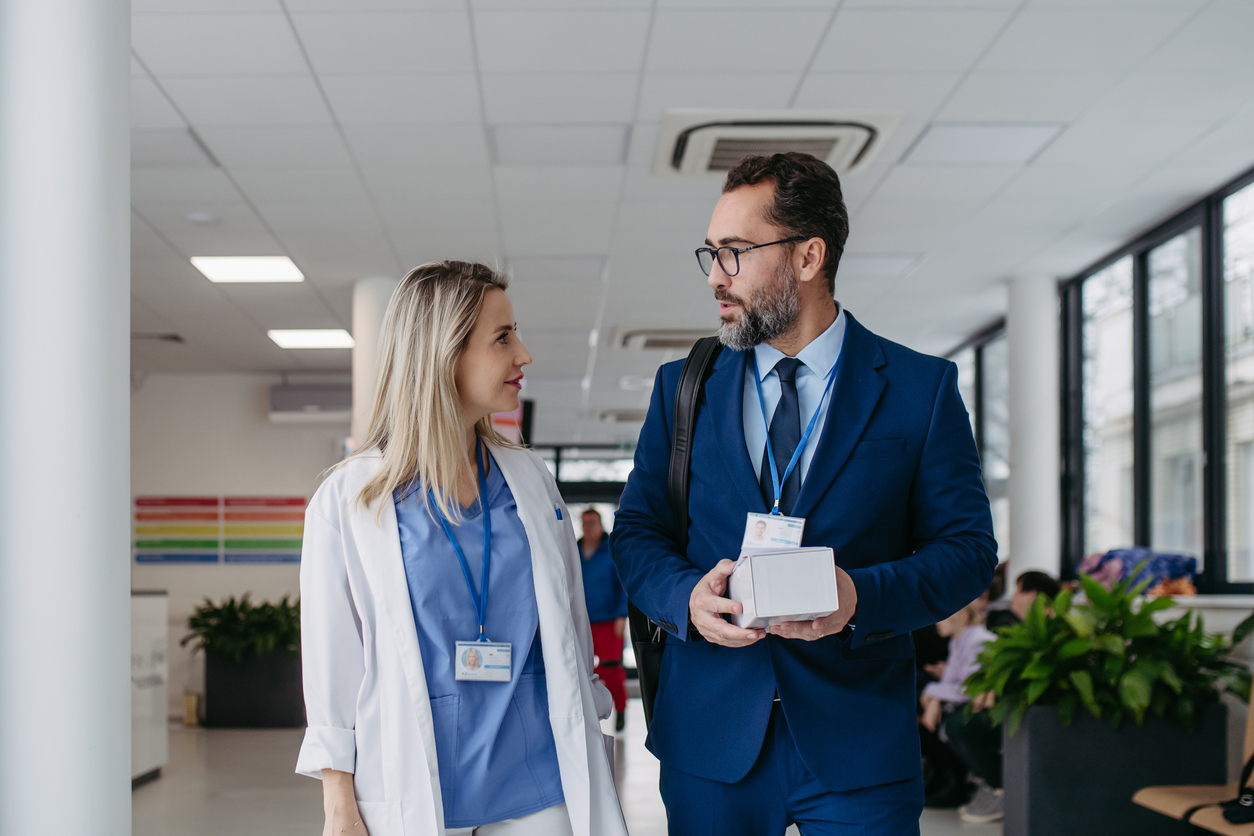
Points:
[[676, 623], [327, 747], [867, 625]]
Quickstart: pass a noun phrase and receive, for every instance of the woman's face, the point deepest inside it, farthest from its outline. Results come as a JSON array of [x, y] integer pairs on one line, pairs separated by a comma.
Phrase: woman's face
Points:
[[489, 372]]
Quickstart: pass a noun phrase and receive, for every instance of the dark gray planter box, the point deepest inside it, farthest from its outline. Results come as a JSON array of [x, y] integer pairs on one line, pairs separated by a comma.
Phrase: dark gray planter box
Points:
[[1079, 780], [261, 692]]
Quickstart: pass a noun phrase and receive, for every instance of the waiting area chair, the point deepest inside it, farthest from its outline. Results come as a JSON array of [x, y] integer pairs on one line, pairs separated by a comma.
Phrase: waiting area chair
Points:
[[1177, 801]]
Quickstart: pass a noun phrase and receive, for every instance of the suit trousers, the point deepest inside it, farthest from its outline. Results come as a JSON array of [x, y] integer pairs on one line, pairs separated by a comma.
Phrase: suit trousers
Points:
[[779, 791]]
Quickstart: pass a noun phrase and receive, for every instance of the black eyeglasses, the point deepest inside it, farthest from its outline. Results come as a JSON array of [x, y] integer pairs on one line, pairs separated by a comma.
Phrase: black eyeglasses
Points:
[[706, 255]]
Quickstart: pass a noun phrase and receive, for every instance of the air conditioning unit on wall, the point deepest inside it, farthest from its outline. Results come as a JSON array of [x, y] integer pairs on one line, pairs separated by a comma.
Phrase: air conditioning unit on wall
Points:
[[311, 404], [708, 143]]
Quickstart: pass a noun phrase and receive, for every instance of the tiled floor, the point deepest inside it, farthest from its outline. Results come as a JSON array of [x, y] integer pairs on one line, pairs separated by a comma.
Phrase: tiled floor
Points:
[[240, 783]]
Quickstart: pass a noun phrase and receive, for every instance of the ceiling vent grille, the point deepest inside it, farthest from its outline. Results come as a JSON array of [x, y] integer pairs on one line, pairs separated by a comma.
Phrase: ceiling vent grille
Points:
[[622, 416], [696, 143], [311, 404], [661, 339]]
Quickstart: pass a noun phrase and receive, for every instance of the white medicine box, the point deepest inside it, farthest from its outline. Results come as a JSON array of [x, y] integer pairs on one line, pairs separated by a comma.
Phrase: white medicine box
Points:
[[789, 585]]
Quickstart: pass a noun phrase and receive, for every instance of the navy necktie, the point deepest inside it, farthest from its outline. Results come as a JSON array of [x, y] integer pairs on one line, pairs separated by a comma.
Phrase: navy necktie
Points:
[[785, 435]]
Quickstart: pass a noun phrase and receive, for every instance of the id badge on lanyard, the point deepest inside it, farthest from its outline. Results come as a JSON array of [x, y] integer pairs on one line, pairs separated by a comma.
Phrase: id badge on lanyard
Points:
[[774, 531], [480, 660]]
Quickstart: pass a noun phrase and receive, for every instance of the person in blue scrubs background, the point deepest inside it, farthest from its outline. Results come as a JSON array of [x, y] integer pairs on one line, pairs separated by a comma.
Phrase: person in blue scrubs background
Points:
[[607, 610]]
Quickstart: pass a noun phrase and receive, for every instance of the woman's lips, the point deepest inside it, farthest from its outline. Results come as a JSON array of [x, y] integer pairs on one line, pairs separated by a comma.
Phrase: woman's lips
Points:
[[516, 382]]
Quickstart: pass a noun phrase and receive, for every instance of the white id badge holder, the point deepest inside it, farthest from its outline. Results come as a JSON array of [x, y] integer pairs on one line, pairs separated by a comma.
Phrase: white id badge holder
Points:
[[772, 533], [482, 661]]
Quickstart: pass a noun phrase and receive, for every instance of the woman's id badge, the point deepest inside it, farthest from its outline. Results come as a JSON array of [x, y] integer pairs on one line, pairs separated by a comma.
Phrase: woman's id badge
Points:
[[482, 661]]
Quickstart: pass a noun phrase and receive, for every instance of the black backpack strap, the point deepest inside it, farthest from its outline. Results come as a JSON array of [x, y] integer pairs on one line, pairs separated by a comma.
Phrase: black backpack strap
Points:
[[647, 637], [687, 397]]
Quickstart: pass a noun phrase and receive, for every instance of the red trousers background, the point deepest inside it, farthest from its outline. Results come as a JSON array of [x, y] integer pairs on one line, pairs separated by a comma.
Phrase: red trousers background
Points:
[[608, 646]]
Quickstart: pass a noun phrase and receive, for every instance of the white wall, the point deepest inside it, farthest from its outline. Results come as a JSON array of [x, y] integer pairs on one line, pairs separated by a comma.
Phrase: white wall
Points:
[[208, 434]]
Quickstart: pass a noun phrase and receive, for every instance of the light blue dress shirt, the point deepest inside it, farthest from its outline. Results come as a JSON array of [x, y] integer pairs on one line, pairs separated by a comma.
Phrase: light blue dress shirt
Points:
[[493, 740], [817, 360]]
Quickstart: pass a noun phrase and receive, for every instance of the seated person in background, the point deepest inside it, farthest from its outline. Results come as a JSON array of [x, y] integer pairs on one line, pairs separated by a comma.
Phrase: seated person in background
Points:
[[942, 702], [944, 775], [1027, 585], [607, 610]]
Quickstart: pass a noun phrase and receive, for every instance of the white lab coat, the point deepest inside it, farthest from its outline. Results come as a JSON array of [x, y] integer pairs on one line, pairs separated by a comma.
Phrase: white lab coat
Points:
[[365, 692]]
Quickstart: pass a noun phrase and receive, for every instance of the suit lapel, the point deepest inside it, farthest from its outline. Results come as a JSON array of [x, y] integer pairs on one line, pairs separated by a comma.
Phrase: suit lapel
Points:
[[857, 390], [724, 393]]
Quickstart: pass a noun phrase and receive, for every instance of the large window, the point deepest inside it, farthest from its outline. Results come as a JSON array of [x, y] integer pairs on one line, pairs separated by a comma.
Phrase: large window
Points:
[[1238, 267], [1107, 433], [984, 384], [1158, 394]]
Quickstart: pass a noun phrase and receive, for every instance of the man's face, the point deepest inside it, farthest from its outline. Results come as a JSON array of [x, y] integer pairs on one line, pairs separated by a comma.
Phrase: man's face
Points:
[[592, 528], [760, 529], [1021, 601], [761, 301]]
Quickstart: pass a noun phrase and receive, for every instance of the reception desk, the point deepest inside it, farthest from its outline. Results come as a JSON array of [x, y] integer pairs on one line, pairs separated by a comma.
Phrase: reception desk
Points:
[[150, 725]]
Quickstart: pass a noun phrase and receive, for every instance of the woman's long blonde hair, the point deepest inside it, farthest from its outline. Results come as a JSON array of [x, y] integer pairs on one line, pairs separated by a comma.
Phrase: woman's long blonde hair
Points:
[[416, 420]]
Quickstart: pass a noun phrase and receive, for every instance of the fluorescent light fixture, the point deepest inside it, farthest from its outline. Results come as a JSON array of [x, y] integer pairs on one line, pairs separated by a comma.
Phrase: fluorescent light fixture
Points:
[[265, 268], [959, 144], [312, 338]]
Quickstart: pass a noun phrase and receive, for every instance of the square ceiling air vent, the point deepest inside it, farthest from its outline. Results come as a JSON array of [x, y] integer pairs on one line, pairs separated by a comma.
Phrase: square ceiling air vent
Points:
[[661, 339], [697, 143]]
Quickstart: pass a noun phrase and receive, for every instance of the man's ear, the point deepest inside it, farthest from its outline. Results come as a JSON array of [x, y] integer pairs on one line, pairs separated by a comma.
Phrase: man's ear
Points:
[[808, 259]]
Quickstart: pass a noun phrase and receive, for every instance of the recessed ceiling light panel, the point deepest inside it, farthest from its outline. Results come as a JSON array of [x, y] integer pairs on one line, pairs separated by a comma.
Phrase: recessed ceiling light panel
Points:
[[266, 268], [312, 338]]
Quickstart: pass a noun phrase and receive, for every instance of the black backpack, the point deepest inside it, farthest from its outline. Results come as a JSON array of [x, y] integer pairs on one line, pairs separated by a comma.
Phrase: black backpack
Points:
[[647, 638]]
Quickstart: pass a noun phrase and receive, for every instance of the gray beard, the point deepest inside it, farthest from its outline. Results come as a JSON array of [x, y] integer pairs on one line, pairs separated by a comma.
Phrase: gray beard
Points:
[[768, 314]]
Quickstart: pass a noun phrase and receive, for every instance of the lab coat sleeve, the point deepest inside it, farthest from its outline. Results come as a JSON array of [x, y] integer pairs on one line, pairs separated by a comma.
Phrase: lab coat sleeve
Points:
[[601, 697], [332, 655]]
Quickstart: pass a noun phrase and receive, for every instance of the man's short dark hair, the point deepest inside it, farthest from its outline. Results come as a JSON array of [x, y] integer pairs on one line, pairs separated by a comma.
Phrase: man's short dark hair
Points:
[[1038, 582], [807, 200]]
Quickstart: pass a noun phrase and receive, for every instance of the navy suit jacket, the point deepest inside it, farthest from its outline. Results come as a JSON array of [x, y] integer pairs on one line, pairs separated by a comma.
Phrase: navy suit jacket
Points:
[[894, 489]]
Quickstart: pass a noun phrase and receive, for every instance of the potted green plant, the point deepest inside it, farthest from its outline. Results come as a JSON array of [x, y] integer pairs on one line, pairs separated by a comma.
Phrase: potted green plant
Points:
[[252, 662], [1099, 700]]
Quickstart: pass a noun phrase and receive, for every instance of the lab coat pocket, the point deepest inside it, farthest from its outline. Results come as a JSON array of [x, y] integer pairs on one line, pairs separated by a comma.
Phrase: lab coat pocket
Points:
[[381, 818], [444, 711]]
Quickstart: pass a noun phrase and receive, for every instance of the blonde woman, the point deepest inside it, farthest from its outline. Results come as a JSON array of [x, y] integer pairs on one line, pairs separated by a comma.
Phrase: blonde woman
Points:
[[446, 649]]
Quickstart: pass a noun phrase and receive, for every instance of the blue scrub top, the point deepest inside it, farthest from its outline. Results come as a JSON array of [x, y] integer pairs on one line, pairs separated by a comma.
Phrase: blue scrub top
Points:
[[493, 741], [602, 590]]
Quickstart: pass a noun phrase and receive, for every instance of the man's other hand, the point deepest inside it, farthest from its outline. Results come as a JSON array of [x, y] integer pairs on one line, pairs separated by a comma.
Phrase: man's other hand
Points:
[[846, 597], [707, 605]]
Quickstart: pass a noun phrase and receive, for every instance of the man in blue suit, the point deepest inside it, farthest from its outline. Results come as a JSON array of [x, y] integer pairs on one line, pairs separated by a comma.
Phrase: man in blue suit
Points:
[[808, 722]]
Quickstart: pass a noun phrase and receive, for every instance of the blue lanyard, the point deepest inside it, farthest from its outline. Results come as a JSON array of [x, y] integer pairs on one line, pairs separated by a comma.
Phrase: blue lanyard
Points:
[[480, 602], [776, 480]]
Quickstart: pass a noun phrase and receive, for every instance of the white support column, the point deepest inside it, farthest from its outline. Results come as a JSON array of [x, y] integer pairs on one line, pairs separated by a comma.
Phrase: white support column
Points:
[[1032, 344], [65, 694], [370, 303]]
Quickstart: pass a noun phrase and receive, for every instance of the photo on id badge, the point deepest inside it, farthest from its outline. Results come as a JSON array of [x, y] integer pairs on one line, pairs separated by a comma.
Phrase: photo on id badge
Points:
[[771, 532]]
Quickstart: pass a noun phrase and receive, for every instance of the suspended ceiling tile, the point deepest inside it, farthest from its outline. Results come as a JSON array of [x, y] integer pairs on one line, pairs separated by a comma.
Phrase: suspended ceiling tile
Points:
[[1216, 39], [559, 144], [403, 99], [1025, 96], [579, 98], [288, 306], [919, 94], [203, 6], [150, 108], [570, 40], [518, 186], [1090, 142], [250, 100], [418, 145], [580, 270], [386, 42], [170, 185], [908, 39], [767, 40], [1176, 97], [374, 5], [310, 216], [435, 185], [267, 185], [1082, 38], [567, 228], [642, 140], [216, 44], [660, 92], [277, 147]]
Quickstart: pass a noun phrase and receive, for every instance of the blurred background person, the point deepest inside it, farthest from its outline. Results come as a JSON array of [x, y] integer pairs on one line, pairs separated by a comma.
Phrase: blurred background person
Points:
[[607, 610]]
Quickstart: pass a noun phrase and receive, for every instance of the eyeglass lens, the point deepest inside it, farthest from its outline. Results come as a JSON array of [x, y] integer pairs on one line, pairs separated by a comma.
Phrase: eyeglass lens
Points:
[[727, 259]]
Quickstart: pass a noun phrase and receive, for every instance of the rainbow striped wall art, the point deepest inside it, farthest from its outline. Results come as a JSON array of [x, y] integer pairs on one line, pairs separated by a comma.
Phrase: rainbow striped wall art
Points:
[[218, 529]]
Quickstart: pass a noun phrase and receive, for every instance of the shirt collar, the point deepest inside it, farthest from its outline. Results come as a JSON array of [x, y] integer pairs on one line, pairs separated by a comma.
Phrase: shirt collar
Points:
[[819, 356]]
